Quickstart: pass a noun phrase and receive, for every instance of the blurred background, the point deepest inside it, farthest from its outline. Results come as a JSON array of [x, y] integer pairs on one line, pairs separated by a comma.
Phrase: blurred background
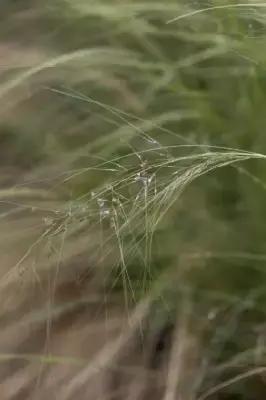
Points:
[[132, 155]]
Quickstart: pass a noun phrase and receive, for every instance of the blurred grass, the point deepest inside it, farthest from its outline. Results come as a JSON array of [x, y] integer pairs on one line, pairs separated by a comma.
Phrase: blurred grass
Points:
[[109, 109]]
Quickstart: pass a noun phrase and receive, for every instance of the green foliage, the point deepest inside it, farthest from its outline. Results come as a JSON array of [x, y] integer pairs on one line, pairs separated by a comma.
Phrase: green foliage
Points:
[[133, 119]]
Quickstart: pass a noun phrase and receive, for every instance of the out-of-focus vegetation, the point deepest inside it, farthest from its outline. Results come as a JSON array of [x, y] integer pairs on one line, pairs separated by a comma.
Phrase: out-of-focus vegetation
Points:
[[109, 110]]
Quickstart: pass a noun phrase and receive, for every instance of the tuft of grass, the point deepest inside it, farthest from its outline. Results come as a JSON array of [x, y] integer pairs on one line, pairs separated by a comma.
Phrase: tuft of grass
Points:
[[136, 133]]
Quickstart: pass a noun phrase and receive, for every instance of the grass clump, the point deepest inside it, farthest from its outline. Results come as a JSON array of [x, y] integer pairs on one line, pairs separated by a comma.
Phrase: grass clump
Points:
[[136, 133]]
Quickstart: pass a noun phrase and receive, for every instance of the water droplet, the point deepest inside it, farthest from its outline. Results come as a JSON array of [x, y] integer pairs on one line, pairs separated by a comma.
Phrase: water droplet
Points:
[[101, 203], [150, 179], [153, 141], [144, 178], [48, 221], [137, 177]]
